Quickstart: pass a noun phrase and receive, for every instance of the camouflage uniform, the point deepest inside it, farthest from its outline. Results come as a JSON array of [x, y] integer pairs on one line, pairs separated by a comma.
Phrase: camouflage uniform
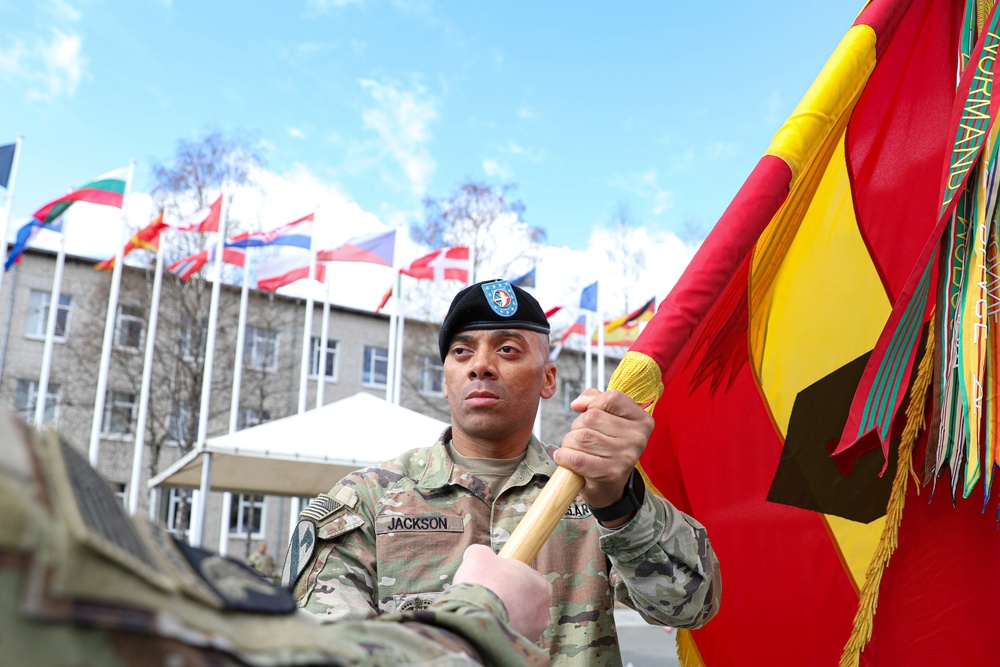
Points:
[[82, 584], [390, 538]]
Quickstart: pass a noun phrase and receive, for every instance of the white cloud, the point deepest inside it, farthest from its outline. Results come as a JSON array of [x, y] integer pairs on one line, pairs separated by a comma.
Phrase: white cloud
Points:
[[314, 7], [524, 112], [514, 148], [401, 119], [647, 186], [494, 169], [63, 10], [296, 133], [49, 69]]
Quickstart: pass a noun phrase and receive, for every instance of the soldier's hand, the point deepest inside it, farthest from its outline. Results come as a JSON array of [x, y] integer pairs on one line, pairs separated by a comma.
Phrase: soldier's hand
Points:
[[526, 593], [604, 443]]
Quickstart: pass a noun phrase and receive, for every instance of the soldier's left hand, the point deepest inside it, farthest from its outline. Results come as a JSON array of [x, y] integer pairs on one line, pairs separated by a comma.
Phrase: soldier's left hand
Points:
[[604, 443]]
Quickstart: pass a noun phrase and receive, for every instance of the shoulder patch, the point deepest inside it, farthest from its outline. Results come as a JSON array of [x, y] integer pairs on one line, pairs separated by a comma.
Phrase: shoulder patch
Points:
[[326, 504], [300, 552]]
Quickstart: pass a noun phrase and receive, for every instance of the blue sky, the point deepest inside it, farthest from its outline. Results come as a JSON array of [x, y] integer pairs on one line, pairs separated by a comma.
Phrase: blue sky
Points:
[[663, 106]]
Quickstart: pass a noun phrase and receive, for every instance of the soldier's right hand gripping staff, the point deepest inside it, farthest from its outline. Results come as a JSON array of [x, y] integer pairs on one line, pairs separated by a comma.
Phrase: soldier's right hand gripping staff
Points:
[[83, 584]]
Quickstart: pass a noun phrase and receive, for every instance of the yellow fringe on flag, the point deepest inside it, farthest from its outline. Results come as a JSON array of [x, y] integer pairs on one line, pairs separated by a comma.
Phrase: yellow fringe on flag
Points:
[[638, 376], [861, 634], [687, 651]]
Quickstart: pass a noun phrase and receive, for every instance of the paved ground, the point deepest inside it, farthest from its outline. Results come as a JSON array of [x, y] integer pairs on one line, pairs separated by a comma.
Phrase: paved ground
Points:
[[644, 645]]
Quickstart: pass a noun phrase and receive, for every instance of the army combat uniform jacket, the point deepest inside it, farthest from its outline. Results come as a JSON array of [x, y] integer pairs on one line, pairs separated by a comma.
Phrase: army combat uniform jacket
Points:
[[390, 537]]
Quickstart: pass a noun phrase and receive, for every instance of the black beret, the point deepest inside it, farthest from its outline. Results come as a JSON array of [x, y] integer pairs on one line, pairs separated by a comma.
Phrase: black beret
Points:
[[492, 304]]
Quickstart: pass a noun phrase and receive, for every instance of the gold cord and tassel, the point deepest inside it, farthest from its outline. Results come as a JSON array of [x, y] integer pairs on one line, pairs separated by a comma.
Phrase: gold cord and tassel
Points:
[[861, 633]]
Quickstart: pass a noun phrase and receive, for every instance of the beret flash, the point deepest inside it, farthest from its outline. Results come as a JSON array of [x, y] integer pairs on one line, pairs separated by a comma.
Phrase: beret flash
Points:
[[492, 304]]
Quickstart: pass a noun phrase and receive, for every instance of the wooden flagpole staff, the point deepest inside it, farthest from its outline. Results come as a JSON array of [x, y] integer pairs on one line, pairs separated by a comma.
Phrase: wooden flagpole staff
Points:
[[543, 515]]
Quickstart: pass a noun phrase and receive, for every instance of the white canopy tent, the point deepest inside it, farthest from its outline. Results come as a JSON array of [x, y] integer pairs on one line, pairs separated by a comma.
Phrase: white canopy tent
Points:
[[305, 454]]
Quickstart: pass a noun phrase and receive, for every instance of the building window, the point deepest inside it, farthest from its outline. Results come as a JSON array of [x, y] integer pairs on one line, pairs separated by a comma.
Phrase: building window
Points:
[[38, 315], [191, 340], [249, 417], [332, 354], [26, 399], [261, 349], [247, 516], [130, 327], [176, 511], [179, 426], [431, 376], [118, 489], [570, 390], [119, 411], [376, 366]]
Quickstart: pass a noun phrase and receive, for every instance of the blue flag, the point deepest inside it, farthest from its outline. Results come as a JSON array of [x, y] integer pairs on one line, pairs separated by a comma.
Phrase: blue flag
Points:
[[588, 298], [527, 280], [6, 163], [24, 236]]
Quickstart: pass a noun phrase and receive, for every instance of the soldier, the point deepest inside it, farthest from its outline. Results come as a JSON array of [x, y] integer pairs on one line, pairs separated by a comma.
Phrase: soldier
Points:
[[83, 584], [389, 538], [262, 562]]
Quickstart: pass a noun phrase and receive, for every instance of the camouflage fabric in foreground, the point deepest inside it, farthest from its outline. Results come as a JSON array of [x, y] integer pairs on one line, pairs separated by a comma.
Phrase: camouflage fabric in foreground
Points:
[[83, 584]]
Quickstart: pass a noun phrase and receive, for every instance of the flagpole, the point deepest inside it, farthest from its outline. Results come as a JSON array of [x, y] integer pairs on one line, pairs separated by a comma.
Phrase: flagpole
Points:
[[234, 404], [8, 205], [109, 326], [198, 525], [139, 448], [50, 331], [397, 381], [324, 332], [307, 333], [588, 375], [600, 340], [390, 371]]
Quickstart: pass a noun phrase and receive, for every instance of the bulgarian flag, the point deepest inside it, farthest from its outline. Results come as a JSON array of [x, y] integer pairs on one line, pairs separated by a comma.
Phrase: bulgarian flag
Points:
[[108, 189], [147, 238], [753, 365]]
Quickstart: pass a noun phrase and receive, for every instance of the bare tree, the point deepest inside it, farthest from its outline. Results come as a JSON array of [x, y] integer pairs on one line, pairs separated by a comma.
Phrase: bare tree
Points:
[[484, 217], [624, 250]]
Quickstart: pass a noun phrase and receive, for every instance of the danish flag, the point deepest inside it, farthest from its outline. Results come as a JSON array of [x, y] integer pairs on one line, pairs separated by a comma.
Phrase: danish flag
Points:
[[444, 264]]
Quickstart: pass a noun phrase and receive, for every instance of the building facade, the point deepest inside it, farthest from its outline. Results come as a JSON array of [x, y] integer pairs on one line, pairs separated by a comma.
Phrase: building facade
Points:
[[269, 378]]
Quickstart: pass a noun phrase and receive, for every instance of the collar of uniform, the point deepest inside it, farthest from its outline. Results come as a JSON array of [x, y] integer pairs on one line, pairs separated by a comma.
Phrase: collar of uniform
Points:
[[437, 472], [440, 468]]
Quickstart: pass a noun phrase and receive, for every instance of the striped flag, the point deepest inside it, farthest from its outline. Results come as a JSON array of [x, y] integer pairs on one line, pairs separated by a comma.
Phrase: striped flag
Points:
[[107, 189], [297, 233], [188, 266], [285, 270], [374, 248]]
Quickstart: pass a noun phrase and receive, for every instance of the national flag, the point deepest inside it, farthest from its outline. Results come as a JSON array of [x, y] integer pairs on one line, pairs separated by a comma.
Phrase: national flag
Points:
[[107, 189], [297, 233], [644, 313], [751, 364], [204, 220], [188, 266], [385, 300], [527, 280], [374, 248], [284, 270], [444, 264], [578, 327], [588, 297], [552, 311], [24, 235], [6, 163], [147, 238]]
